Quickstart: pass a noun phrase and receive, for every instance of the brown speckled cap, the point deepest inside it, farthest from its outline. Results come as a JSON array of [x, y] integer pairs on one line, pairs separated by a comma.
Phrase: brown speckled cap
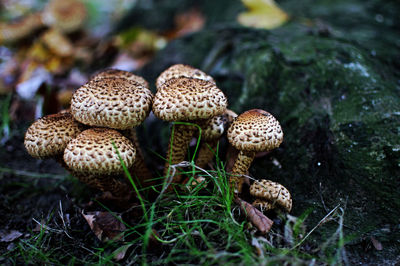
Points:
[[216, 126], [188, 99], [255, 130], [92, 152], [48, 136], [14, 31], [66, 16], [116, 73], [263, 205], [111, 102], [180, 70], [272, 192]]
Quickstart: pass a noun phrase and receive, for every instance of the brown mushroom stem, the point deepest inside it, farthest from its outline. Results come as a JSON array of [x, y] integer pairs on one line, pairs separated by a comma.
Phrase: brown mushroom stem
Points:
[[105, 183], [182, 134], [139, 168], [240, 168], [206, 153]]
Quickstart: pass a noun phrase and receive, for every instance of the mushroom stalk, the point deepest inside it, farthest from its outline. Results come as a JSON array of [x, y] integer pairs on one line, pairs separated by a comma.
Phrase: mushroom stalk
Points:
[[242, 164], [182, 134], [139, 168], [206, 153]]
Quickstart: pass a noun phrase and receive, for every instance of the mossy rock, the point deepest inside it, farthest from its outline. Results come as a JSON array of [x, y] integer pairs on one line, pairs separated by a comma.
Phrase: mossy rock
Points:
[[338, 106]]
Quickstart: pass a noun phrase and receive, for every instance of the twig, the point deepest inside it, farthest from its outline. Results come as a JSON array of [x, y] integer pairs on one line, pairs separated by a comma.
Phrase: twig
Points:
[[315, 227]]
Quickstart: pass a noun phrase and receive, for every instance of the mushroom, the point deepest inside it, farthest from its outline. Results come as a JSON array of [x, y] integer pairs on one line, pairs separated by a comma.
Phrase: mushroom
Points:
[[116, 73], [49, 136], [66, 16], [116, 102], [95, 157], [57, 43], [269, 194], [251, 132], [210, 135], [186, 100], [180, 71], [15, 31]]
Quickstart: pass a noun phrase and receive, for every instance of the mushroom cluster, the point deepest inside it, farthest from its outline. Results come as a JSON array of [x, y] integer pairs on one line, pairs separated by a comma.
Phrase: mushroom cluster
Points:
[[96, 137]]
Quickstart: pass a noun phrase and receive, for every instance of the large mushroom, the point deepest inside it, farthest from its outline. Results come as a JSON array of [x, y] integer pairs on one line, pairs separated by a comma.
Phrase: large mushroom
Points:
[[115, 102], [253, 131], [186, 100], [96, 157]]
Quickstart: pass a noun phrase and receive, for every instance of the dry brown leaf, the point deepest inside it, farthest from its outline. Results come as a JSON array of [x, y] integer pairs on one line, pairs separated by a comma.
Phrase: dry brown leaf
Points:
[[119, 253], [262, 14], [9, 235], [256, 217], [190, 21], [105, 225], [377, 245]]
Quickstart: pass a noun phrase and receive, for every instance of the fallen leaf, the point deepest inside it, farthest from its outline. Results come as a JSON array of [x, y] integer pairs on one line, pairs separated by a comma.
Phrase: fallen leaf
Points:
[[105, 225], [262, 222], [262, 14], [119, 253], [9, 236], [190, 21], [377, 245]]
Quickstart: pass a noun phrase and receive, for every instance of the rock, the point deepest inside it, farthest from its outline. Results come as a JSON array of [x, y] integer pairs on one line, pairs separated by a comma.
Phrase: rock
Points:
[[338, 106], [335, 89]]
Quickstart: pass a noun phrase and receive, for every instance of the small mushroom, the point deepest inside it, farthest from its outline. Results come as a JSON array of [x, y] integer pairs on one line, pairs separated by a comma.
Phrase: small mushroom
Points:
[[93, 158], [15, 31], [66, 16], [187, 100], [251, 132], [269, 193], [57, 43], [181, 71], [210, 135], [48, 137]]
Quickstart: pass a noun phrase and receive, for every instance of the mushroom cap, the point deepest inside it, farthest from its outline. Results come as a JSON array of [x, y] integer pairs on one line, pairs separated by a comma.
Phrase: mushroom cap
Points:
[[20, 29], [111, 102], [66, 16], [57, 42], [188, 99], [116, 73], [263, 205], [93, 152], [255, 130], [48, 136], [272, 192], [180, 70], [216, 126]]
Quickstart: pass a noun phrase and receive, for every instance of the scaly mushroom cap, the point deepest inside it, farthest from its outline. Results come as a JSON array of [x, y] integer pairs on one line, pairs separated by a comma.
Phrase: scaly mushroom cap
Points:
[[116, 73], [111, 102], [216, 126], [66, 16], [188, 99], [272, 192], [57, 43], [20, 29], [179, 71], [48, 136], [93, 152], [255, 130]]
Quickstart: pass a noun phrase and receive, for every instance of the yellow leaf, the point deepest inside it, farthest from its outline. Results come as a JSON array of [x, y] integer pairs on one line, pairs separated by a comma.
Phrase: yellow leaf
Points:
[[262, 14]]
